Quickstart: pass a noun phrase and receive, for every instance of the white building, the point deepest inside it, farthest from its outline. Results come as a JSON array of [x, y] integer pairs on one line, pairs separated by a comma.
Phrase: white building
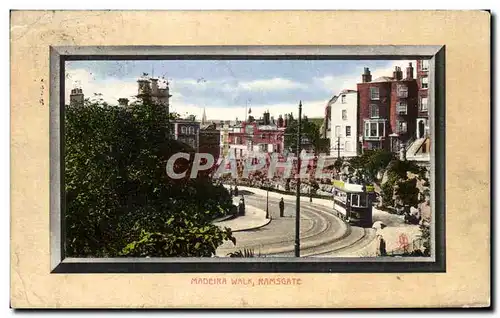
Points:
[[343, 119]]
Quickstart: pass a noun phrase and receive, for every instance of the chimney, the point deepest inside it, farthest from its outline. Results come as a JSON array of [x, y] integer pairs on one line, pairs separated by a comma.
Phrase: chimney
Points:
[[266, 118], [366, 77], [409, 72], [280, 121], [76, 97], [123, 102], [397, 74]]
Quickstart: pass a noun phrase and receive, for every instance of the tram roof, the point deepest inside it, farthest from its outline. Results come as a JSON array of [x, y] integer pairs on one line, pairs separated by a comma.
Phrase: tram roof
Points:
[[352, 187]]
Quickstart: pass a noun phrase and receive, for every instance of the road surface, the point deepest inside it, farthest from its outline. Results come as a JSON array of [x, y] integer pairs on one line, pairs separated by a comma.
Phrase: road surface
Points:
[[321, 233]]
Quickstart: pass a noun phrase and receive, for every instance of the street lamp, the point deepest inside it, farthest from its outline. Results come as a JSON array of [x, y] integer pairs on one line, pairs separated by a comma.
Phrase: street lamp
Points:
[[267, 201], [297, 204]]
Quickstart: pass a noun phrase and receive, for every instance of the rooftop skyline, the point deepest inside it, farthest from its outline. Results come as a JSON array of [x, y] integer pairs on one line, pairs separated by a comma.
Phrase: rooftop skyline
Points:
[[227, 88]]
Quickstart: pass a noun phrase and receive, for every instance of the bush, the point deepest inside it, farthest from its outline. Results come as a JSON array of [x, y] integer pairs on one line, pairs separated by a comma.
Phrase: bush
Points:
[[119, 199]]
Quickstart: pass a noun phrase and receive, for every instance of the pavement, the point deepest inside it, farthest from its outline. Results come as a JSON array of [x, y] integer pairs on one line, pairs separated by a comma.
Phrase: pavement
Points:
[[254, 218]]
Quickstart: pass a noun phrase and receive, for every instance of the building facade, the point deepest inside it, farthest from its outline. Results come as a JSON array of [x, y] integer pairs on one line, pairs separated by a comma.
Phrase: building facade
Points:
[[76, 97], [252, 137], [343, 121], [186, 131], [422, 124], [388, 109], [209, 140]]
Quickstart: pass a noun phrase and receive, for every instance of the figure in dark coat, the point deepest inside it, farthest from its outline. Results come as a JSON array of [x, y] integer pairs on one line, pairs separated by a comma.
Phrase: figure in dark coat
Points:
[[282, 208], [236, 191]]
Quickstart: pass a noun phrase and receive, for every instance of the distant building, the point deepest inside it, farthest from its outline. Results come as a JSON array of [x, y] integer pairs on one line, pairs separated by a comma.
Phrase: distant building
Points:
[[76, 98], [253, 136], [149, 90], [343, 120], [209, 140], [186, 131], [326, 127], [388, 109]]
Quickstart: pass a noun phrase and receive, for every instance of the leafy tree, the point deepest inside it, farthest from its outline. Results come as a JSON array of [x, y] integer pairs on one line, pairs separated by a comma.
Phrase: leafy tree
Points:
[[310, 132], [118, 195]]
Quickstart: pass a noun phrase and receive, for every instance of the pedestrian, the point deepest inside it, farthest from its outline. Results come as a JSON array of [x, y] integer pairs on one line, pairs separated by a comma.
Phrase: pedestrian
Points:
[[236, 190], [241, 206], [282, 208], [231, 191], [382, 249]]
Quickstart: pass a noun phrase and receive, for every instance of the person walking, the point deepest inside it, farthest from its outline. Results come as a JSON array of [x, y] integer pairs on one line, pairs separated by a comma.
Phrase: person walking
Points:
[[282, 208], [241, 206], [235, 191], [231, 191]]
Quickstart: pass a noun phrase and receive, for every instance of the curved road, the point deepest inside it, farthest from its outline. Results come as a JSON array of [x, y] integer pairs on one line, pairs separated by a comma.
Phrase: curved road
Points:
[[321, 233]]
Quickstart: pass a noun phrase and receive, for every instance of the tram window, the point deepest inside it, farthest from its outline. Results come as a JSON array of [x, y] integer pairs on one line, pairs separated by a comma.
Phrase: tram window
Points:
[[354, 200], [362, 200]]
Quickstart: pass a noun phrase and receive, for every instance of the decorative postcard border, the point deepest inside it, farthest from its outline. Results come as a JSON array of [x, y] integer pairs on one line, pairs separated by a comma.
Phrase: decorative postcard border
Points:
[[436, 263]]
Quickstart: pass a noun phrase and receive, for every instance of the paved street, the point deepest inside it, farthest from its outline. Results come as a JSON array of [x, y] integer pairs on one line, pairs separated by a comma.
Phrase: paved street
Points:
[[321, 233]]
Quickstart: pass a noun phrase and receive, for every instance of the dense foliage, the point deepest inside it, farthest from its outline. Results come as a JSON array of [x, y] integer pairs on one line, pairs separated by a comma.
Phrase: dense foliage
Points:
[[310, 133], [119, 199]]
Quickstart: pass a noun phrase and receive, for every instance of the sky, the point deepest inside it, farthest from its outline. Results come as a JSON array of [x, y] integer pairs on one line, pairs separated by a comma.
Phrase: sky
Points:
[[226, 88]]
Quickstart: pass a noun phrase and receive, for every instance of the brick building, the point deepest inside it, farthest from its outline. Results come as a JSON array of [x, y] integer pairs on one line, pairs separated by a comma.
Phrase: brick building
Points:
[[387, 109], [263, 136], [423, 98]]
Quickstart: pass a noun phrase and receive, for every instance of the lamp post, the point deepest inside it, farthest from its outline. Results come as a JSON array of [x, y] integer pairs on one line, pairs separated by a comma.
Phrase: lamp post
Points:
[[297, 204], [267, 201]]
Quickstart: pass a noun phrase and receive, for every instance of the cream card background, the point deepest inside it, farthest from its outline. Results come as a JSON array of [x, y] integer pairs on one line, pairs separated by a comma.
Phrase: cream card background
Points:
[[466, 35]]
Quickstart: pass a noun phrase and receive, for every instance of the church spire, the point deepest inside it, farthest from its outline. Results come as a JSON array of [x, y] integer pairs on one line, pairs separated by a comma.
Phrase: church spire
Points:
[[204, 117]]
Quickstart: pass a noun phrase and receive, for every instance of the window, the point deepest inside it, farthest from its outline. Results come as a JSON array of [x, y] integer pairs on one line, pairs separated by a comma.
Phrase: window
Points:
[[344, 114], [374, 93], [337, 131], [401, 107], [374, 129], [423, 104], [343, 100], [402, 127], [191, 130], [374, 111], [402, 91], [425, 82], [425, 65], [184, 129], [347, 131], [358, 200], [347, 146]]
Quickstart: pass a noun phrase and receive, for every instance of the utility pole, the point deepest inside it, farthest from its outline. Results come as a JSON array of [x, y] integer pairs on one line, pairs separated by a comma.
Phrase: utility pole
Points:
[[338, 147], [297, 204], [267, 201]]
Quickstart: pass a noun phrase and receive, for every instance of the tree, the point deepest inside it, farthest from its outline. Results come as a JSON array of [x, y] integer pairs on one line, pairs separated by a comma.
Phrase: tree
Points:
[[119, 199], [310, 134]]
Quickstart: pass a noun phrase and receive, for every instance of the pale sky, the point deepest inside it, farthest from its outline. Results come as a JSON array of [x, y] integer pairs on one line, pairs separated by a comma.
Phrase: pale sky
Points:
[[225, 87]]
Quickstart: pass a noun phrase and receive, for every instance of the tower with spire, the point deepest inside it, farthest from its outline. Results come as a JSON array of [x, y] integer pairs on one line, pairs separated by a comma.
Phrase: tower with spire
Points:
[[204, 117]]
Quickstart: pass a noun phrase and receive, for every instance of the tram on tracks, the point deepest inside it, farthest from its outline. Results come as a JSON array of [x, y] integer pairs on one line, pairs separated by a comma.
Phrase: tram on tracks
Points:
[[353, 202]]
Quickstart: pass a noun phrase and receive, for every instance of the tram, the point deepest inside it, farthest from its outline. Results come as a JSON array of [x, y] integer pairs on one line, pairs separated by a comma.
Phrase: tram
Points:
[[353, 202]]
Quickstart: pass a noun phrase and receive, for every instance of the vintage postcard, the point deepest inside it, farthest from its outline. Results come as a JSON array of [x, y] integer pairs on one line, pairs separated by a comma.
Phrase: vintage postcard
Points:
[[249, 167]]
